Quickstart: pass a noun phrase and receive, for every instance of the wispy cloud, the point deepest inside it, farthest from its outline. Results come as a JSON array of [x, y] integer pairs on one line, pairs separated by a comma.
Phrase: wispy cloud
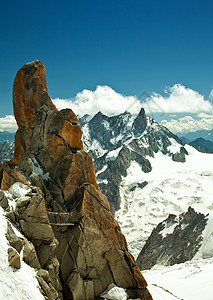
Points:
[[8, 123], [189, 124]]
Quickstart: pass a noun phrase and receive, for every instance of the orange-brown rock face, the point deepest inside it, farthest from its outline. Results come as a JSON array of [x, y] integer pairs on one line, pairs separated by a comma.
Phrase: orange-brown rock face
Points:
[[92, 252], [30, 93]]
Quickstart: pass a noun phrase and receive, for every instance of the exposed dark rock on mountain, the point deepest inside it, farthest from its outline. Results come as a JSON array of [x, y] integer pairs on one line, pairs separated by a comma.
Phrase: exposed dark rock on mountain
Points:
[[192, 136], [66, 217], [175, 240], [180, 156], [14, 258], [115, 142], [140, 123], [202, 145], [6, 151], [13, 240]]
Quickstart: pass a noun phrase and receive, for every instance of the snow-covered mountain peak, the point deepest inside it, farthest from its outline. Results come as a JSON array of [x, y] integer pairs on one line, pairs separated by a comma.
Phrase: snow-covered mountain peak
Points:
[[116, 141]]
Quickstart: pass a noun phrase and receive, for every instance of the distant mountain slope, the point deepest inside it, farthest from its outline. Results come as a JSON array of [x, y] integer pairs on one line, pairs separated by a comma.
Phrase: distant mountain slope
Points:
[[172, 187], [202, 145], [6, 136], [115, 142], [6, 151], [191, 136]]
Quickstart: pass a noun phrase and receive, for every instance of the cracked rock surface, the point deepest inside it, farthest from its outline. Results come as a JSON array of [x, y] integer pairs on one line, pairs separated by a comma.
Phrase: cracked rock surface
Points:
[[65, 217]]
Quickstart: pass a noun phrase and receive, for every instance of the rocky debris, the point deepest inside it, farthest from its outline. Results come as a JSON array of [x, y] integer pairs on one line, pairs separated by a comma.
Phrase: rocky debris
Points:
[[9, 174], [66, 217], [141, 185], [3, 200], [35, 225], [14, 258], [175, 240], [48, 289], [53, 268], [11, 216], [30, 255], [14, 241]]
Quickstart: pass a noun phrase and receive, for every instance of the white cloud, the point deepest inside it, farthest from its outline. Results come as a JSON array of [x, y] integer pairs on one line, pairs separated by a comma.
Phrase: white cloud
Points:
[[189, 124], [8, 123], [204, 115], [103, 99], [178, 99]]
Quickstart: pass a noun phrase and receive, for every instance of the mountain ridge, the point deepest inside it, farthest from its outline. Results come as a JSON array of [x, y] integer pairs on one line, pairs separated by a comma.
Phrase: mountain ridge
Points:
[[115, 141]]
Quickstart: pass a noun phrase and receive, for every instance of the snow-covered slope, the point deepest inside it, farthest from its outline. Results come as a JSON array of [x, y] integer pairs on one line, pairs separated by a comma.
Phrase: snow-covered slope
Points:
[[191, 280], [15, 284], [172, 187]]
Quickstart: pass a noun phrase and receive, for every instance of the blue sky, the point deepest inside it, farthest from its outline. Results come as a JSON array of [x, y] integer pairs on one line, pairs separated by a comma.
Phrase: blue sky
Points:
[[131, 46]]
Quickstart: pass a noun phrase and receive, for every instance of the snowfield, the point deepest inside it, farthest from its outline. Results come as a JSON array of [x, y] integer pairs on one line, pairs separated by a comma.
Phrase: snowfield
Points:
[[172, 188], [191, 280], [15, 284]]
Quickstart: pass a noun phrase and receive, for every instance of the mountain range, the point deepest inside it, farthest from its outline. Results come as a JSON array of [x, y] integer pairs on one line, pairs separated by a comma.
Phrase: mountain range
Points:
[[202, 145], [115, 142], [191, 136], [159, 190], [6, 136]]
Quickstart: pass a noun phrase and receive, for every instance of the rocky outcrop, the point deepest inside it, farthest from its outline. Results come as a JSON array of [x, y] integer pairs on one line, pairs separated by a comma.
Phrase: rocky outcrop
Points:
[[35, 225], [180, 156], [175, 240], [3, 200], [14, 258], [66, 217], [140, 123], [30, 255], [13, 240]]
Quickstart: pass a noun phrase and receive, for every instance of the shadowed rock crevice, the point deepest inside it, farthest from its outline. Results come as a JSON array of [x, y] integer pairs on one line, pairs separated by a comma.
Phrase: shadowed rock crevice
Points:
[[66, 218]]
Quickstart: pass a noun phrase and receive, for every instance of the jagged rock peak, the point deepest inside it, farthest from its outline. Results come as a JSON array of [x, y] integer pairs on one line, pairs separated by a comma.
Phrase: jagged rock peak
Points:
[[76, 240], [175, 240], [32, 105], [140, 122], [30, 93]]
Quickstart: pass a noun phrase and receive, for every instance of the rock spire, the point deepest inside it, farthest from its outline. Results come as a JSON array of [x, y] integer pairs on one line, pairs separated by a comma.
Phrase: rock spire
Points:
[[85, 249]]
